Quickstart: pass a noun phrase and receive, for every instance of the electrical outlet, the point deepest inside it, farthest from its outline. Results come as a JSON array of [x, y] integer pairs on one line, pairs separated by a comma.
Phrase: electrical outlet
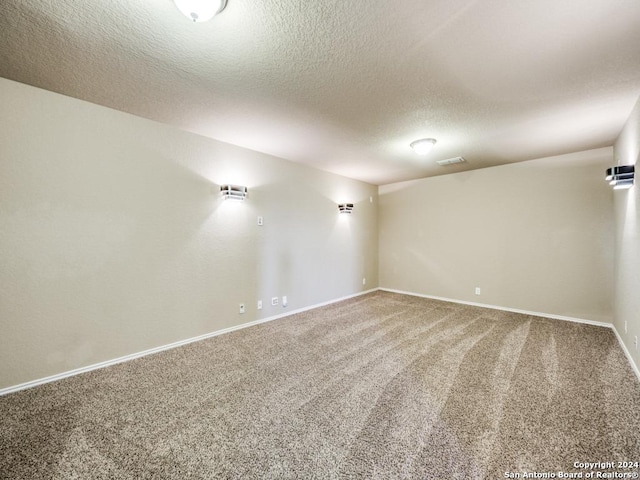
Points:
[[242, 308], [477, 290], [284, 301], [364, 281], [274, 300], [260, 221], [259, 304]]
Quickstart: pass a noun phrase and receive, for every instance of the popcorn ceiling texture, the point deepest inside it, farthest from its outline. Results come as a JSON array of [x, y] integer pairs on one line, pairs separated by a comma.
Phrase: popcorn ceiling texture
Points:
[[380, 386], [347, 85]]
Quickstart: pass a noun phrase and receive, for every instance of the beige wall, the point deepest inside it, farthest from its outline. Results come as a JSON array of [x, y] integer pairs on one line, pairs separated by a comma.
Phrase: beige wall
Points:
[[535, 236], [627, 264], [114, 238]]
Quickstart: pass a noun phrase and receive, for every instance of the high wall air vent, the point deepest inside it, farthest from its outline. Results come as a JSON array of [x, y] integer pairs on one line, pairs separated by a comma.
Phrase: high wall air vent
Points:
[[450, 161]]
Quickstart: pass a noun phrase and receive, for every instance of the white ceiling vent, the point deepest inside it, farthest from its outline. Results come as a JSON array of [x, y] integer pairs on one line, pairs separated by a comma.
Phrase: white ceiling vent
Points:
[[450, 161]]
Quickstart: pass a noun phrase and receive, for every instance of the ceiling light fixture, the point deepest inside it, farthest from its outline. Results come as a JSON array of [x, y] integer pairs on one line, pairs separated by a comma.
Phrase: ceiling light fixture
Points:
[[621, 176], [200, 10], [423, 146]]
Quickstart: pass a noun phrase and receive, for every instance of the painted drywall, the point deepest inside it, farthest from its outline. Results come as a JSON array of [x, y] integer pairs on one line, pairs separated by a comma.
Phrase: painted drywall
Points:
[[627, 262], [114, 237], [535, 236]]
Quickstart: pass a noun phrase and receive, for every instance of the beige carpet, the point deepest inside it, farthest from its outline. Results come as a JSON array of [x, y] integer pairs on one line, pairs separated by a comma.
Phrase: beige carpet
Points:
[[381, 386]]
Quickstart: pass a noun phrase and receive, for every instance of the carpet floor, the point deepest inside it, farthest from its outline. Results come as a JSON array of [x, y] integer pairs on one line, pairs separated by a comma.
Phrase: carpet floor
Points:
[[379, 386]]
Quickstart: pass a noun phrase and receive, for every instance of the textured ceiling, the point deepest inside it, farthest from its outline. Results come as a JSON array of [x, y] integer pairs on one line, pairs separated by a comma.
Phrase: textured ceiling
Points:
[[346, 85]]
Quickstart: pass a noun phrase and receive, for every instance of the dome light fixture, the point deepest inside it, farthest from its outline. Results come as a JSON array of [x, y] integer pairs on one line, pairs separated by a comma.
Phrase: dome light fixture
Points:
[[200, 10], [423, 146]]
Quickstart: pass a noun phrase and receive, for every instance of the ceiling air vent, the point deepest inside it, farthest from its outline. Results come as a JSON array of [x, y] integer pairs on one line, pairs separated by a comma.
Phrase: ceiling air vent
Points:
[[450, 161]]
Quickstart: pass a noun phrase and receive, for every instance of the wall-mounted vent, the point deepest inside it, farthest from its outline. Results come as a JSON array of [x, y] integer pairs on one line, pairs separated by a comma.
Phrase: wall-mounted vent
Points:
[[450, 161]]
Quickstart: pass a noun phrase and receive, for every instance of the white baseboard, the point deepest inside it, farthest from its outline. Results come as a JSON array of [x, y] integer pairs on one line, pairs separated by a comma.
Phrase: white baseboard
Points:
[[526, 312], [506, 309], [626, 352], [126, 358]]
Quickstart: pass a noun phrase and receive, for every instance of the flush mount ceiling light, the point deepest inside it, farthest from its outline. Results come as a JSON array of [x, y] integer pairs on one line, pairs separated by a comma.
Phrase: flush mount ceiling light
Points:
[[423, 146], [237, 192], [200, 10], [621, 176], [345, 207]]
